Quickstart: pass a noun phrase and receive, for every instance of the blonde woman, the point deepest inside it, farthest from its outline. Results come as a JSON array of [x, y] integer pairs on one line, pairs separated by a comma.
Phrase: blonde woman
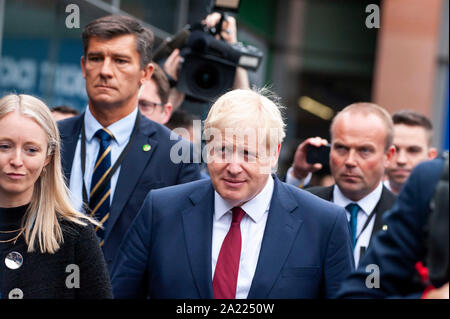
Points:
[[47, 249]]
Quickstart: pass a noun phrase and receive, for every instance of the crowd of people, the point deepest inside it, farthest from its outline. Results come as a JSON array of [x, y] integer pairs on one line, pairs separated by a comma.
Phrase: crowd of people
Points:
[[105, 191]]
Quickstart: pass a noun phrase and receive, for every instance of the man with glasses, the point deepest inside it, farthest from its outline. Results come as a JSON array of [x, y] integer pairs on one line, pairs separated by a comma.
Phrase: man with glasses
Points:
[[154, 97]]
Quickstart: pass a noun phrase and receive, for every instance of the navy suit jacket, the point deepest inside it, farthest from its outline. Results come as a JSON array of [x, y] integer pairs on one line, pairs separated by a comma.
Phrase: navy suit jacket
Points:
[[139, 173], [305, 253], [396, 250], [385, 202]]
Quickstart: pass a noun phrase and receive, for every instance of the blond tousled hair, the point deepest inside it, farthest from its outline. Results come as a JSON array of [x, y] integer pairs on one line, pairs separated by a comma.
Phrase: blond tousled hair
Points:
[[239, 108], [50, 202]]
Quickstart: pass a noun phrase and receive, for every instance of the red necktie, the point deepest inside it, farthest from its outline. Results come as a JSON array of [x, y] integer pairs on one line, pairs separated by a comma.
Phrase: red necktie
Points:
[[227, 267]]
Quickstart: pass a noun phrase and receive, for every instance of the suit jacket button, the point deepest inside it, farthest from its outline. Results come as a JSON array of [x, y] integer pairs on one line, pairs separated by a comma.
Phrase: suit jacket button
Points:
[[16, 293], [14, 260]]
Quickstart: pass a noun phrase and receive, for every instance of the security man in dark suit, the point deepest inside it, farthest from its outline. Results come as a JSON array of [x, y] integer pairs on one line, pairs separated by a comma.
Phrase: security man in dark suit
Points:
[[361, 147], [112, 155], [416, 231]]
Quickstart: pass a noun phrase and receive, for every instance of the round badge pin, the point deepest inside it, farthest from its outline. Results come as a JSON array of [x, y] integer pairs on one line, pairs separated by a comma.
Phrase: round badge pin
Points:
[[14, 260], [16, 293], [146, 148]]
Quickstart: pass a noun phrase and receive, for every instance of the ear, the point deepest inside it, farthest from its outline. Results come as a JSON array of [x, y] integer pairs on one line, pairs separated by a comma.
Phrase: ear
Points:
[[274, 158], [83, 67], [432, 153], [47, 160], [389, 155], [146, 73], [168, 109]]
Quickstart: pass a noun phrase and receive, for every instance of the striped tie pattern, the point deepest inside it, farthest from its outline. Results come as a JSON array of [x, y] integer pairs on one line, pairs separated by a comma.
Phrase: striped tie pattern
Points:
[[99, 196]]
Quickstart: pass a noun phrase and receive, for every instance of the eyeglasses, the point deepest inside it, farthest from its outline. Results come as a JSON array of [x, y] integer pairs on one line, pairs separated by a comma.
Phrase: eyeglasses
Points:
[[149, 106]]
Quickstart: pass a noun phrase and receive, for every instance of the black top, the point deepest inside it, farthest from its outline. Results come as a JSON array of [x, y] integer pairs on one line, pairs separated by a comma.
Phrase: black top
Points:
[[76, 270], [10, 223]]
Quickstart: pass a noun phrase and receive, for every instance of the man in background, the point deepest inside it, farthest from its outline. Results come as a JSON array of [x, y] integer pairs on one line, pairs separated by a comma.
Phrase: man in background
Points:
[[416, 232], [154, 97], [412, 141], [62, 112], [361, 148], [183, 123]]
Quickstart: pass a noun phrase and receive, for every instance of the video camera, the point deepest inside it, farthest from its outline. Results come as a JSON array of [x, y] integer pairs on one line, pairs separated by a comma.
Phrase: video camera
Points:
[[209, 64]]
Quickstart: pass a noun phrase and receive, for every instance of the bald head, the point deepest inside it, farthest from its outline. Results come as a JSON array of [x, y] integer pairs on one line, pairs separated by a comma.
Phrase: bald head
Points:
[[361, 138], [366, 109]]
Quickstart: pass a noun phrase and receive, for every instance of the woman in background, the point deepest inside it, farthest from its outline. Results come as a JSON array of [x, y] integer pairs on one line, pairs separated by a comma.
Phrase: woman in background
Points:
[[47, 249]]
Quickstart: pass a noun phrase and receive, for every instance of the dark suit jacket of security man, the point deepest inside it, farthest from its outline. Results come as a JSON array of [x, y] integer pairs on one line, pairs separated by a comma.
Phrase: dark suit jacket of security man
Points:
[[385, 202], [397, 249], [139, 173]]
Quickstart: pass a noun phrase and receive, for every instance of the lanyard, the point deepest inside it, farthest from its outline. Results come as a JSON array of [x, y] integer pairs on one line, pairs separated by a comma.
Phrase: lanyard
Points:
[[369, 218], [116, 164]]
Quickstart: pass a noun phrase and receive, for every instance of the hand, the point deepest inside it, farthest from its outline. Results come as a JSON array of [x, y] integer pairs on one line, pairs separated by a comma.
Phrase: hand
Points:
[[229, 30], [172, 64], [229, 34], [438, 293], [301, 167]]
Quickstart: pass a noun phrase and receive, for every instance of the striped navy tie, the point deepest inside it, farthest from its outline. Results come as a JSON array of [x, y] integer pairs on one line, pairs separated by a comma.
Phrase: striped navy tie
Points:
[[99, 196]]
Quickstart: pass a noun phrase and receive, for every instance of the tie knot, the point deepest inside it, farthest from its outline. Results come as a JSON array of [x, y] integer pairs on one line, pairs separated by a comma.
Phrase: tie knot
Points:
[[352, 208], [238, 214], [104, 135]]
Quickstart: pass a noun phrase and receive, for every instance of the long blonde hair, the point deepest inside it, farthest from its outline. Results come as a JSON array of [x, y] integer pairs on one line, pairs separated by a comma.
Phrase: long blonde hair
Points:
[[50, 201]]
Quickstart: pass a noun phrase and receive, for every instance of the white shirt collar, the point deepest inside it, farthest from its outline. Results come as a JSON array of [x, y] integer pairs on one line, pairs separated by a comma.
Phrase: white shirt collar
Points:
[[387, 184], [255, 208], [367, 203], [121, 129]]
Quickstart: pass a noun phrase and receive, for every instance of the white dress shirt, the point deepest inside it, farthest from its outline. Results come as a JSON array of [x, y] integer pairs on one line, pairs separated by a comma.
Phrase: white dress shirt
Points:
[[387, 184], [121, 130], [367, 205], [252, 231]]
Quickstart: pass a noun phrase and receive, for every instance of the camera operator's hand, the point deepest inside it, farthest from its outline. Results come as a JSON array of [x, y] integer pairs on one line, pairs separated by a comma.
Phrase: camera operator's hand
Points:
[[172, 64], [229, 30], [301, 168], [171, 67], [229, 34]]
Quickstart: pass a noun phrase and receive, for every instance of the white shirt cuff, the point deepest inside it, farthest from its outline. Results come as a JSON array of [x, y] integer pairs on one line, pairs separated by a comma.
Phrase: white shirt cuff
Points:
[[290, 179]]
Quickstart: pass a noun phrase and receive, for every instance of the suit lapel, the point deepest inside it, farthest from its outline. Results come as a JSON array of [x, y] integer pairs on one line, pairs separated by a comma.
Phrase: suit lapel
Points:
[[197, 224], [328, 193], [69, 140], [279, 235], [385, 203], [131, 170], [325, 193]]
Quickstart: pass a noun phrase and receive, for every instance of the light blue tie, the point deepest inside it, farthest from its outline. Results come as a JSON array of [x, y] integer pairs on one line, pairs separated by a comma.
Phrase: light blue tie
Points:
[[353, 210]]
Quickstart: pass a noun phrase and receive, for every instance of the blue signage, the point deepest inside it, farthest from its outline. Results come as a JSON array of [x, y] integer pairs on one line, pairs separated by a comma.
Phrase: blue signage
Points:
[[28, 67]]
